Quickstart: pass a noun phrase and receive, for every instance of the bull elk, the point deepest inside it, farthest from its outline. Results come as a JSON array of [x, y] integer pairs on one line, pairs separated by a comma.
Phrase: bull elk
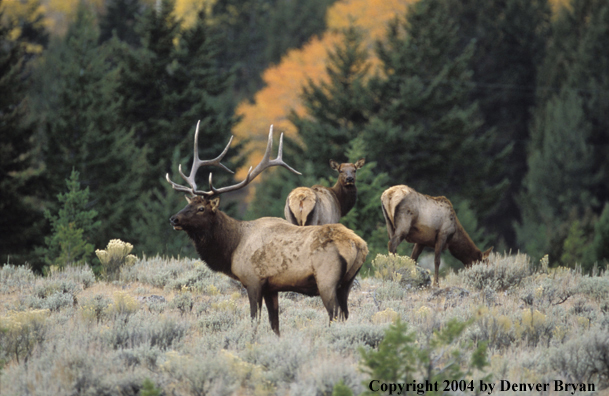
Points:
[[427, 221], [269, 255], [322, 205]]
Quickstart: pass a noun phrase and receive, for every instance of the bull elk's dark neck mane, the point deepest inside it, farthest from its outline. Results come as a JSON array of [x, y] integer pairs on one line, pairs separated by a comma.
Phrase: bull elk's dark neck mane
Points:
[[346, 196], [462, 247], [216, 244]]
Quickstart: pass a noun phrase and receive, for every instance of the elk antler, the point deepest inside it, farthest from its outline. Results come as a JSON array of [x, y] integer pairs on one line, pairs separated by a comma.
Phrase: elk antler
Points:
[[251, 174]]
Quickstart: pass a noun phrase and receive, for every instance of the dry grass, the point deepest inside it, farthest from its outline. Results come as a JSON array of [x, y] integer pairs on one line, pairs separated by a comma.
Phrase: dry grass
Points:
[[188, 329]]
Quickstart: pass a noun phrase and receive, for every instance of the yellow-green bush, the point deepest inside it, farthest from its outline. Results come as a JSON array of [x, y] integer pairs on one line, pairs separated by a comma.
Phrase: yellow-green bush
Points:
[[21, 332], [115, 257], [401, 269]]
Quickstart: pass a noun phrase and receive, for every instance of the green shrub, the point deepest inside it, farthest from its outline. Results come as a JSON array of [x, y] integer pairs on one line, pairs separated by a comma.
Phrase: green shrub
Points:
[[149, 389], [95, 308], [584, 359], [15, 278], [597, 287], [82, 275], [502, 273], [137, 330], [183, 302], [203, 375], [351, 336], [400, 359], [178, 274]]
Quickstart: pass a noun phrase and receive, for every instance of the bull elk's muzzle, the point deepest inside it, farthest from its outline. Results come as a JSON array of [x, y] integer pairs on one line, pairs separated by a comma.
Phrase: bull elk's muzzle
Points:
[[175, 222]]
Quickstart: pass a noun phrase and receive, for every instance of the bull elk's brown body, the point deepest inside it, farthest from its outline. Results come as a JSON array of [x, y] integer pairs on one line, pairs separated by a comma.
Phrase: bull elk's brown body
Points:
[[427, 221], [322, 205], [270, 255]]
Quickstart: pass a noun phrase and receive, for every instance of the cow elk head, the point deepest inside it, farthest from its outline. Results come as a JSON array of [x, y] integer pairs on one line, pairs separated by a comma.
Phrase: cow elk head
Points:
[[347, 171]]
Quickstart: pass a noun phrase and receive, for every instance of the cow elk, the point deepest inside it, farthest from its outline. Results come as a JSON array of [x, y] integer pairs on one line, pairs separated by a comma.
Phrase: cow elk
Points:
[[269, 255], [322, 205], [427, 221]]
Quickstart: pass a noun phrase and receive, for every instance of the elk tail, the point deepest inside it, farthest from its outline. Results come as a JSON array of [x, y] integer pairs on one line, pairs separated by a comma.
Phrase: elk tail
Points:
[[388, 209], [353, 261], [302, 202]]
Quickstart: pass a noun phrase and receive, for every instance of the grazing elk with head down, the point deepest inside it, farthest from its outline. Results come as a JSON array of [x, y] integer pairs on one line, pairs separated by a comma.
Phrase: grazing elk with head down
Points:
[[322, 205], [427, 221], [269, 255]]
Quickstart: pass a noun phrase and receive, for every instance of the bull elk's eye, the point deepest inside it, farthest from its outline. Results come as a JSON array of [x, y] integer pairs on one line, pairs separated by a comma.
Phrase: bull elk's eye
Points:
[[201, 209]]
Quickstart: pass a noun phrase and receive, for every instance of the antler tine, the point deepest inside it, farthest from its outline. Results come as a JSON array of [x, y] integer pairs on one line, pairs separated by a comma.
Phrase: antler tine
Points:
[[196, 164], [264, 164]]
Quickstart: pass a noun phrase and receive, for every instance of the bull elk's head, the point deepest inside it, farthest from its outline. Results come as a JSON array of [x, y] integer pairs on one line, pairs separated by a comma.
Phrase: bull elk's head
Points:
[[346, 171], [204, 204]]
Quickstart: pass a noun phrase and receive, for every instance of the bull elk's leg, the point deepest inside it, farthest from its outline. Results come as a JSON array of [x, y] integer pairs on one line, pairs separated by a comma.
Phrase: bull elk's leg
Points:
[[272, 305], [343, 297], [330, 300], [255, 296]]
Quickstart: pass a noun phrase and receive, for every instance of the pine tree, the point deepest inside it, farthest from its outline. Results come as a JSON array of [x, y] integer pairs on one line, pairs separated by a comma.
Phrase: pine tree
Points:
[[71, 228], [426, 131], [561, 172], [336, 114], [84, 131], [119, 19], [241, 24], [598, 251], [146, 82], [167, 88], [151, 227], [510, 39], [569, 147], [170, 84], [19, 219], [204, 93], [292, 24], [337, 110], [576, 61]]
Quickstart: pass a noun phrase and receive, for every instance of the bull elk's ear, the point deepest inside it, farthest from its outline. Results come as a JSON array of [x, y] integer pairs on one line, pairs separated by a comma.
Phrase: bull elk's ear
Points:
[[360, 163], [487, 253], [188, 199], [334, 165], [214, 203]]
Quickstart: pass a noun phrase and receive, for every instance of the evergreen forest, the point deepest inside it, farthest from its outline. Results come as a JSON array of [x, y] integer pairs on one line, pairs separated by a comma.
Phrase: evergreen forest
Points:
[[501, 106]]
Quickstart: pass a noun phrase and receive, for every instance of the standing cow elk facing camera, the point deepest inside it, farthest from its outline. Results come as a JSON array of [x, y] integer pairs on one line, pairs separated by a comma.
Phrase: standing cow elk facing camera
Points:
[[427, 221], [322, 205], [269, 255]]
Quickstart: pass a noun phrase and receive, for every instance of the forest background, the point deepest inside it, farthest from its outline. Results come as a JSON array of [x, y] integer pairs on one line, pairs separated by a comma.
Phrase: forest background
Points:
[[502, 106]]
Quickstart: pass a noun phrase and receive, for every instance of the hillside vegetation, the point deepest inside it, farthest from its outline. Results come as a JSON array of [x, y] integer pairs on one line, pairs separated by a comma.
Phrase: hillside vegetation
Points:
[[171, 326]]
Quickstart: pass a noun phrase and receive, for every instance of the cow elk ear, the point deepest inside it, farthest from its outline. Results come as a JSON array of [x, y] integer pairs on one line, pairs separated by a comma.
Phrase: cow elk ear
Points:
[[188, 199], [487, 253], [360, 163], [214, 204], [334, 165]]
